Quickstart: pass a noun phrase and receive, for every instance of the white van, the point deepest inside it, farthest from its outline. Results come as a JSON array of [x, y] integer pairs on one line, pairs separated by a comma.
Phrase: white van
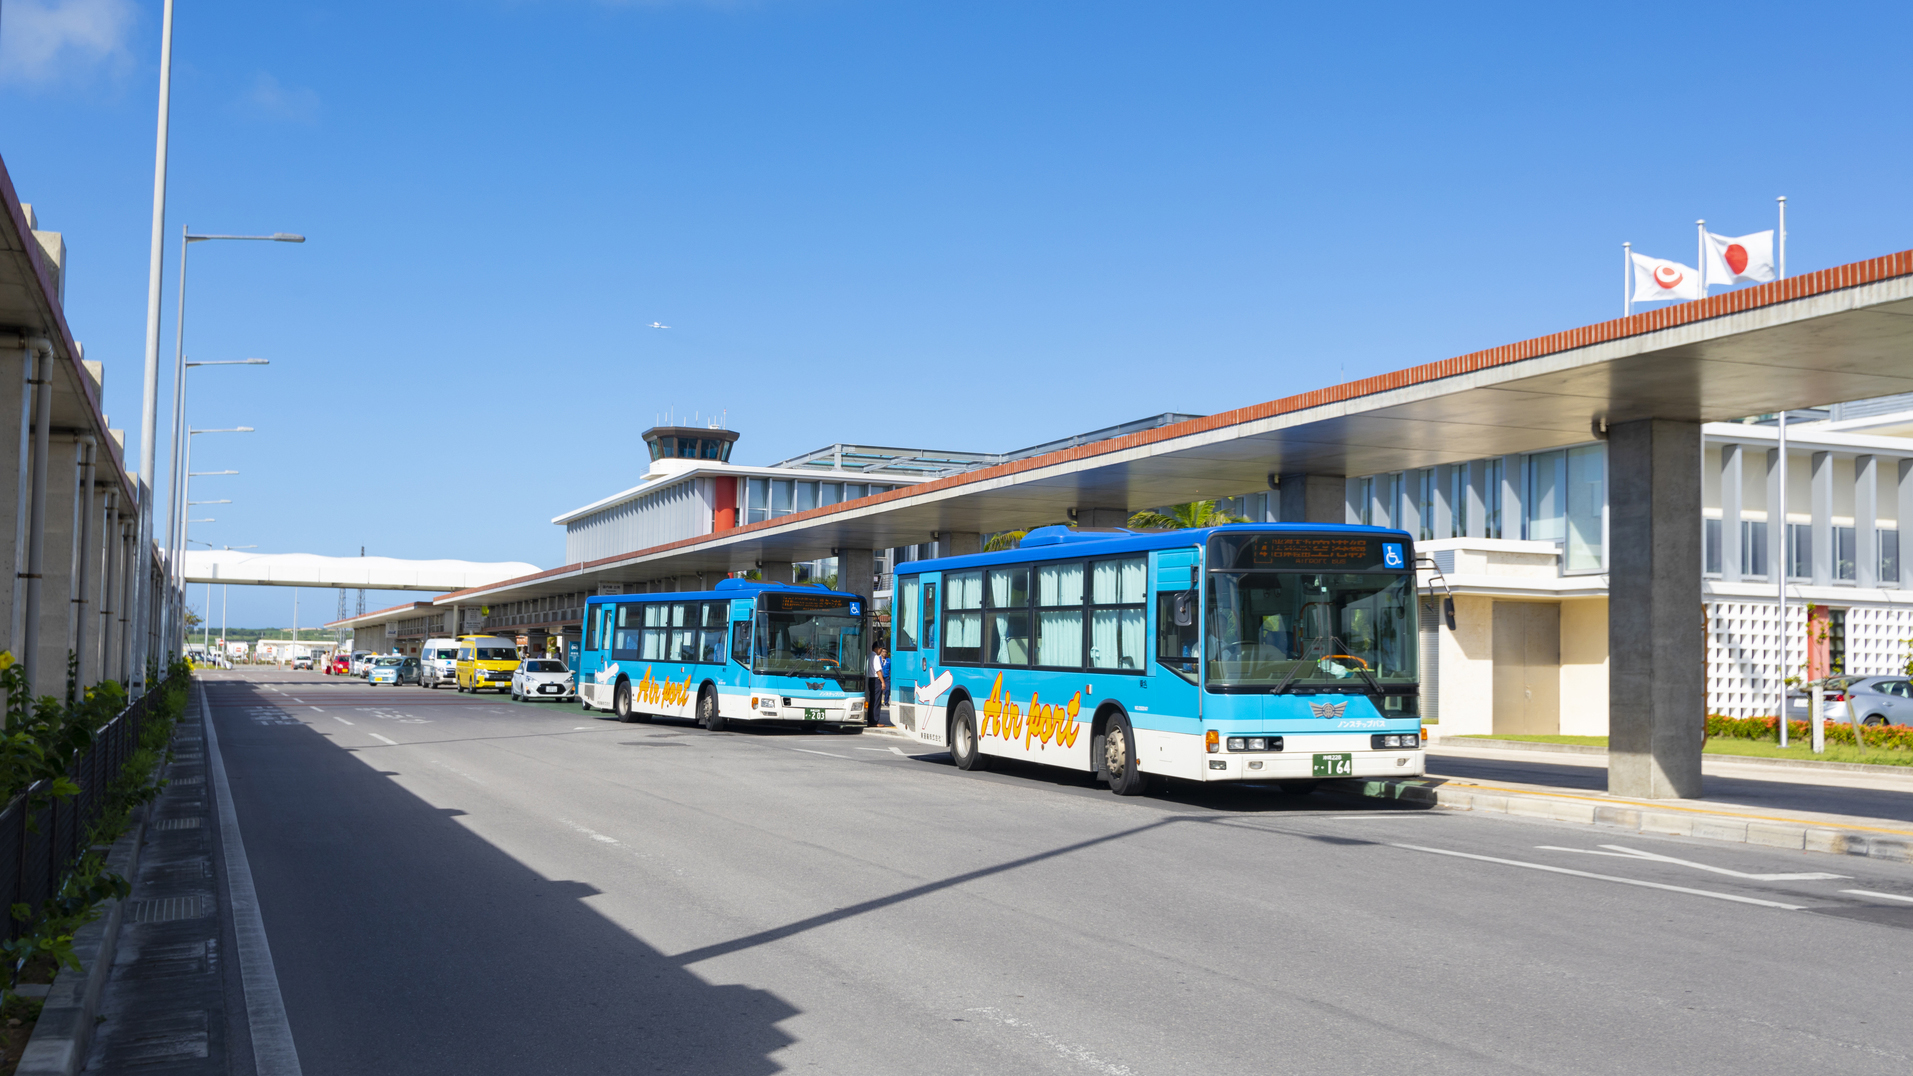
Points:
[[437, 661]]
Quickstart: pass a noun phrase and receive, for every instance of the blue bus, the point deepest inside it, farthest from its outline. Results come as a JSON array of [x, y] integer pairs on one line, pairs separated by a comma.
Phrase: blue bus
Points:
[[1283, 653], [759, 653]]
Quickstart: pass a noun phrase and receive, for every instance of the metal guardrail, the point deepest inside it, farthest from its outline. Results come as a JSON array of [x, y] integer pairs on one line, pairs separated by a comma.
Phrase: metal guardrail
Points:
[[38, 845]]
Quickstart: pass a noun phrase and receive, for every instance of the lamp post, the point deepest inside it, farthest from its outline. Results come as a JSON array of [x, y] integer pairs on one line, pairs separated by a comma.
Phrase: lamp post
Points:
[[176, 567], [187, 239], [175, 485]]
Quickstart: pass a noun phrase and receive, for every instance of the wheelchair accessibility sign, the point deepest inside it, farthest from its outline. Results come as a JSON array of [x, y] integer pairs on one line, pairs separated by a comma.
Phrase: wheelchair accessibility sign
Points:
[[1392, 555]]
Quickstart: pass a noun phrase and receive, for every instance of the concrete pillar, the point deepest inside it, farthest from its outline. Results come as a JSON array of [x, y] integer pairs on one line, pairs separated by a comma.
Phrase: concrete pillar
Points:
[[1905, 492], [91, 509], [960, 543], [1513, 509], [16, 370], [1866, 516], [1657, 657], [1731, 461], [1410, 501], [777, 571], [112, 575], [1776, 523], [1098, 517], [1821, 497], [1314, 498], [54, 637], [1443, 523], [855, 571]]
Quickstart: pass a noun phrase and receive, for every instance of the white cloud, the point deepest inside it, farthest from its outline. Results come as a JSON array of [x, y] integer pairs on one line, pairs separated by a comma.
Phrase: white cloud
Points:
[[269, 98], [43, 40]]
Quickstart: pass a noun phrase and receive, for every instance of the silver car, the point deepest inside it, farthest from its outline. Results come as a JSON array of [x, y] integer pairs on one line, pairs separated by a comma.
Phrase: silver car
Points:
[[1876, 700], [543, 678]]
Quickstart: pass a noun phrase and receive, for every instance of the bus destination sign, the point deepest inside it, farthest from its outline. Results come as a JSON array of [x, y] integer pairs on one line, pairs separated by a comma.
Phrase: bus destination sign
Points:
[[806, 603], [1308, 552]]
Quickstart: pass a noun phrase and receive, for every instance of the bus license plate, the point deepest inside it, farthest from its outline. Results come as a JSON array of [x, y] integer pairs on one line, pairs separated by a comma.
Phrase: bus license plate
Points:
[[1334, 765], [811, 713]]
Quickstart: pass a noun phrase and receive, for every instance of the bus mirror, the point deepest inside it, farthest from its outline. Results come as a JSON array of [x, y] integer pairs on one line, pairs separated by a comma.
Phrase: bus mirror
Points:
[[1185, 609], [1448, 612]]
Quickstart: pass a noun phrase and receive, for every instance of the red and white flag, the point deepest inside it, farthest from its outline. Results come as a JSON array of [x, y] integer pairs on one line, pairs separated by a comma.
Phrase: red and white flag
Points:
[[1738, 259], [1656, 279]]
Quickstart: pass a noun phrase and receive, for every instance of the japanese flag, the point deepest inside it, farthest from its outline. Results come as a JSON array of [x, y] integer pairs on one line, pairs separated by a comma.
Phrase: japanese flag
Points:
[[1735, 260], [1656, 279]]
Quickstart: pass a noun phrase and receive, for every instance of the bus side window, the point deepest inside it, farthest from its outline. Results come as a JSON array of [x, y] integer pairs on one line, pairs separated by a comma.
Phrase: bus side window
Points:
[[929, 633], [1176, 644], [741, 642], [907, 616], [591, 628]]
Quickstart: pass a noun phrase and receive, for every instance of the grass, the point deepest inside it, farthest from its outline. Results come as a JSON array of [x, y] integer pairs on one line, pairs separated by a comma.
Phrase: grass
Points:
[[1721, 745]]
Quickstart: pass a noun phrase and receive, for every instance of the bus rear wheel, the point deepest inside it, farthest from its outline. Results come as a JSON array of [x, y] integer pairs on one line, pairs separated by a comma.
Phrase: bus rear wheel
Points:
[[707, 709], [1125, 776], [621, 702], [964, 747]]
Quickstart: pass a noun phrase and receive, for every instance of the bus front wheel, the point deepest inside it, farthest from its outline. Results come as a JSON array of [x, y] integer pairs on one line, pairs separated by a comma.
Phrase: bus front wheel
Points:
[[621, 702], [707, 709], [1119, 759], [963, 741]]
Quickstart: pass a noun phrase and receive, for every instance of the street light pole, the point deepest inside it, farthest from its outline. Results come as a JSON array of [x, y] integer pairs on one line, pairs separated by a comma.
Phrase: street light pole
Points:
[[175, 487], [142, 604], [176, 568]]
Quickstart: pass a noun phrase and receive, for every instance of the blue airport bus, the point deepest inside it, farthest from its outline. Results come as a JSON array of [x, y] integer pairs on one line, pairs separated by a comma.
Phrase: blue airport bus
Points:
[[759, 653], [1283, 653]]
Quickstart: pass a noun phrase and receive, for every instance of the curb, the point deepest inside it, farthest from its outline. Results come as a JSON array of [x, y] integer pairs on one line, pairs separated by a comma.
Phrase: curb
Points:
[[1797, 764], [65, 1028], [1766, 832]]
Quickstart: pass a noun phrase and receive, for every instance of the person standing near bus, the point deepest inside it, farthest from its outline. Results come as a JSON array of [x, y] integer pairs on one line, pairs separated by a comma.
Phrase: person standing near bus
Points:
[[875, 681]]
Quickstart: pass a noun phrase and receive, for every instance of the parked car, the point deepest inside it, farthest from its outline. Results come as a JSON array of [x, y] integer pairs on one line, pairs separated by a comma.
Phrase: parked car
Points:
[[361, 659], [438, 663], [393, 669], [486, 661], [304, 661], [543, 678], [1876, 700], [338, 665]]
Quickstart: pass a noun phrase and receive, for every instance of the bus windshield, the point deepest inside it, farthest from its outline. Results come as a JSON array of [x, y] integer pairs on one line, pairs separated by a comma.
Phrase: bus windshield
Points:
[[809, 644], [1277, 631]]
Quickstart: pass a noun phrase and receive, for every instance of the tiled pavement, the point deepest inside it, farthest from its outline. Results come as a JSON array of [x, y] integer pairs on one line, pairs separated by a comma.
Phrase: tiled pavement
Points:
[[163, 1010]]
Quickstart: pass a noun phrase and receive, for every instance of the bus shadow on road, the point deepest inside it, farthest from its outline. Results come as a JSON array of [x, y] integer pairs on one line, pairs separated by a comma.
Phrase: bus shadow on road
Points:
[[405, 942]]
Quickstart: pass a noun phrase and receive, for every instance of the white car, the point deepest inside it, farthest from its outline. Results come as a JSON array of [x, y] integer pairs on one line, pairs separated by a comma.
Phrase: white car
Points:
[[543, 678], [438, 663], [361, 661]]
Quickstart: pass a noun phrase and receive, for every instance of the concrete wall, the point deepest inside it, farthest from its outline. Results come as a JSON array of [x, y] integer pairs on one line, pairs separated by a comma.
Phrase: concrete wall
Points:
[[1467, 669], [1584, 667]]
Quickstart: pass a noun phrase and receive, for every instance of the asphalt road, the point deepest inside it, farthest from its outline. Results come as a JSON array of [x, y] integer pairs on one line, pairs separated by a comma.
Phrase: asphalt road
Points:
[[472, 886]]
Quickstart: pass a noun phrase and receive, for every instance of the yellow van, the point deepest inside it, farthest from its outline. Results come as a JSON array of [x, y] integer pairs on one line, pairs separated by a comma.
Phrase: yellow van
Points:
[[485, 661]]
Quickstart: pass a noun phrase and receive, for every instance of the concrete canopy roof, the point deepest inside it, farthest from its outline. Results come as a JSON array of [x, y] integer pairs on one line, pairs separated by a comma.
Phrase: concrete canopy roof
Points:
[[1839, 334], [29, 306]]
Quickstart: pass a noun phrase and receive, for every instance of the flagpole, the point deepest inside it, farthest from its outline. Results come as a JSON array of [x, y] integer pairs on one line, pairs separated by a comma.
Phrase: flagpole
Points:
[[1627, 280], [1783, 235], [1700, 255]]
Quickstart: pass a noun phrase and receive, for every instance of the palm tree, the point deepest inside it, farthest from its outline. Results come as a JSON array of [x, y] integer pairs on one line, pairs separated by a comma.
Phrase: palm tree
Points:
[[1006, 540], [1182, 517]]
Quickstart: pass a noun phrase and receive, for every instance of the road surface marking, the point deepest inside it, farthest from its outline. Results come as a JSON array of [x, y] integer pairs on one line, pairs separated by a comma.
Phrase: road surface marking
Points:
[[1069, 1050], [273, 1053], [826, 754], [301, 702], [339, 719], [1620, 852], [582, 728], [1878, 896], [1608, 878], [376, 736]]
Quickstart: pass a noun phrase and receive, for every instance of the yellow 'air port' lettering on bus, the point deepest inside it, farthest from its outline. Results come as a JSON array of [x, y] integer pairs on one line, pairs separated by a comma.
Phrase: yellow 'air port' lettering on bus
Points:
[[663, 692], [1045, 723]]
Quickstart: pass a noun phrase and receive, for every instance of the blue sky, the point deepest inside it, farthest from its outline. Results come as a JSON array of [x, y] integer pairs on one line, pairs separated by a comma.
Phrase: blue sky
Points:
[[962, 225]]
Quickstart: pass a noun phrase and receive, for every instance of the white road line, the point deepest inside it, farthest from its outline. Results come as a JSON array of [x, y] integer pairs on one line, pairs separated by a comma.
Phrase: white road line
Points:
[[301, 702], [1878, 896], [826, 754], [582, 728], [273, 1053], [1069, 1050], [1607, 878], [1620, 852], [339, 719], [376, 736]]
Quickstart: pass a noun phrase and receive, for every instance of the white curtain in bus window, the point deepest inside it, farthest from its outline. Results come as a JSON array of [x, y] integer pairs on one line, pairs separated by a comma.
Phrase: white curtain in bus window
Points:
[[1587, 501], [624, 636], [1059, 631], [711, 650], [1117, 582], [1009, 618], [1117, 635], [656, 631], [963, 630], [906, 614]]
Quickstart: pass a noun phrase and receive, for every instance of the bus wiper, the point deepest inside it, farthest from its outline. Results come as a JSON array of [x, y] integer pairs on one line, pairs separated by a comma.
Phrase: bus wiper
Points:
[[1374, 685]]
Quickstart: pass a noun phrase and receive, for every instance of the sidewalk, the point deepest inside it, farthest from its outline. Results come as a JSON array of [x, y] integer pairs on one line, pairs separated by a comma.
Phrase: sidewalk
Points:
[[1745, 801]]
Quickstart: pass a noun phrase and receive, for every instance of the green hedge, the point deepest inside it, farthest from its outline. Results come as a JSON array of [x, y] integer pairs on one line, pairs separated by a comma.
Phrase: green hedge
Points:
[[1893, 737]]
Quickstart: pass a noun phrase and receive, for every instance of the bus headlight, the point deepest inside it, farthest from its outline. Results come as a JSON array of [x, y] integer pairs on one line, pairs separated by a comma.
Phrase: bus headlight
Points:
[[1385, 741]]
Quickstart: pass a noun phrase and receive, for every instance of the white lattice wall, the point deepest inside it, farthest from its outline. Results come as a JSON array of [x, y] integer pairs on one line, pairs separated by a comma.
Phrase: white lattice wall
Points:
[[1741, 650]]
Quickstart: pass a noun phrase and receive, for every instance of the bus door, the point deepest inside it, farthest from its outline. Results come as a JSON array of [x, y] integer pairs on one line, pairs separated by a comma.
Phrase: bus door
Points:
[[590, 659], [921, 687], [1176, 668]]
